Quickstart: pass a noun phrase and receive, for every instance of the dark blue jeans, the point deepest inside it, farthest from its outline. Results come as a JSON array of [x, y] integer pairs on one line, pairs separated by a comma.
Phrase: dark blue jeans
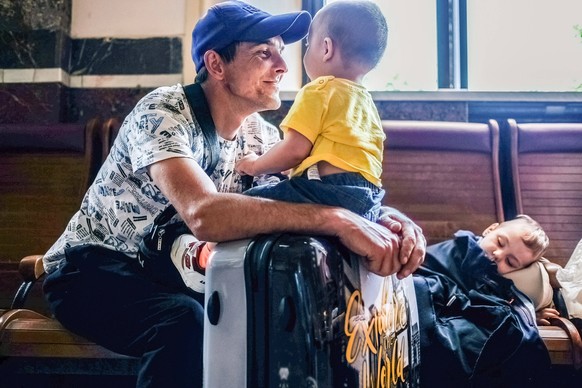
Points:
[[348, 190], [103, 296]]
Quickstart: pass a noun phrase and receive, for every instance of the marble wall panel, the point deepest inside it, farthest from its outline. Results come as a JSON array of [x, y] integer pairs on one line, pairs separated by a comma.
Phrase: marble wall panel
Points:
[[423, 110], [53, 102], [28, 15], [398, 110], [34, 49], [84, 104], [126, 56], [32, 103], [24, 101], [556, 111]]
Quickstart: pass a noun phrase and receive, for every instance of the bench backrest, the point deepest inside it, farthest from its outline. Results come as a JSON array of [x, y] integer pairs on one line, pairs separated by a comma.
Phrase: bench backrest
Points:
[[547, 179], [444, 175], [44, 172]]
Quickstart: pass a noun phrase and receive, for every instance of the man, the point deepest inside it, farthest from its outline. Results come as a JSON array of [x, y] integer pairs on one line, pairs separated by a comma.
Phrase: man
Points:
[[95, 285]]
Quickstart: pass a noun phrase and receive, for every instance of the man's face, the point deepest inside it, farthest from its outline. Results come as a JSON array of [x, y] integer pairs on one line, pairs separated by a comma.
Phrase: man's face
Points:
[[255, 73], [504, 245]]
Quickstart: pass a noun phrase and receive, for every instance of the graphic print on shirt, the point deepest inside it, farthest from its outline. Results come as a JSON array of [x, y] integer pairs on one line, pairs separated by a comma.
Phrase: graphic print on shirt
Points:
[[121, 204]]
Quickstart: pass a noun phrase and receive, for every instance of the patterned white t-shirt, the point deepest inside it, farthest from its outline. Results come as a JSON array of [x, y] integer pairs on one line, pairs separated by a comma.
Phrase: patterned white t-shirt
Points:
[[121, 204]]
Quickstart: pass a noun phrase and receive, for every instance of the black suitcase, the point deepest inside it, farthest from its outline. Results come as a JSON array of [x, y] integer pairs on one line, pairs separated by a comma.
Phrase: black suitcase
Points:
[[298, 311]]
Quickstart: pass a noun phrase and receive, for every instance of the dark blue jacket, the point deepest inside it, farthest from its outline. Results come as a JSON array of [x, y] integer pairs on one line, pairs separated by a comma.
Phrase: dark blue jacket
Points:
[[477, 329]]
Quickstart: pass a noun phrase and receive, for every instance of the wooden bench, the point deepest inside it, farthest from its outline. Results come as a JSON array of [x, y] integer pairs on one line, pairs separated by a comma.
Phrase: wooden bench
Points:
[[44, 173], [30, 334], [444, 175], [546, 164], [562, 340], [547, 178]]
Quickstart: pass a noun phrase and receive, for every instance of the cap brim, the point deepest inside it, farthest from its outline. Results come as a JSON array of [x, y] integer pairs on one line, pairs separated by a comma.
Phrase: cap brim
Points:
[[290, 26]]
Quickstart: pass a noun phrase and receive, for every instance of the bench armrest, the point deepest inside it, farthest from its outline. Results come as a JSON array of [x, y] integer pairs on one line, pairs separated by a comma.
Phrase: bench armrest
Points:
[[574, 335], [31, 269]]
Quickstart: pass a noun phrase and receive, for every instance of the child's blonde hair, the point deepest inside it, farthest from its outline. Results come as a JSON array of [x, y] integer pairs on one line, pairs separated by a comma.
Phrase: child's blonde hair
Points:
[[537, 240]]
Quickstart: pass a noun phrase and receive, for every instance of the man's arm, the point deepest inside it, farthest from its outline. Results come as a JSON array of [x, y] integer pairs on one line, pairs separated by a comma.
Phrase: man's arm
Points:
[[284, 155], [214, 216]]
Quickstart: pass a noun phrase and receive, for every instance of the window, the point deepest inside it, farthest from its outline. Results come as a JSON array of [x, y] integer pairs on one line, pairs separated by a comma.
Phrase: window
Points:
[[477, 45], [524, 45], [410, 61]]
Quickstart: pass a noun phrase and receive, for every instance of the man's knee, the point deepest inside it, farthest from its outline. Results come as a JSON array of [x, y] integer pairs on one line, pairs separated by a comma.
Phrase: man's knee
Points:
[[173, 344], [182, 324]]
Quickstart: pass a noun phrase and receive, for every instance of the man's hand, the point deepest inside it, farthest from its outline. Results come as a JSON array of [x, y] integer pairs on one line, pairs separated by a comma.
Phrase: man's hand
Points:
[[378, 246], [413, 242]]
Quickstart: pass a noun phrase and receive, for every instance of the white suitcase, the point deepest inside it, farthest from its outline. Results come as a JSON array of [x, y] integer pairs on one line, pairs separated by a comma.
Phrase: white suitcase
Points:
[[300, 311]]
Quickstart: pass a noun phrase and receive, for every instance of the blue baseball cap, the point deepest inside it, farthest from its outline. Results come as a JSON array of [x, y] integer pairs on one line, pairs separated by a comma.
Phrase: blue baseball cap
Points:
[[237, 21]]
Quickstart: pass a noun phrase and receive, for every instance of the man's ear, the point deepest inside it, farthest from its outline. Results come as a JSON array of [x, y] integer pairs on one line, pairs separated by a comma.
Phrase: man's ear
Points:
[[214, 64], [490, 228], [328, 49]]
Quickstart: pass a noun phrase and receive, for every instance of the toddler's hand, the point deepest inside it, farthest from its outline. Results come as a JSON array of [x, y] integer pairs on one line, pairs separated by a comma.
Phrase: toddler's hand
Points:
[[245, 166], [544, 315]]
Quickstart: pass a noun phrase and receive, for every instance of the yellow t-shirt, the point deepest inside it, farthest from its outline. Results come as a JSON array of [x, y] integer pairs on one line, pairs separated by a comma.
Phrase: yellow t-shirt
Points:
[[339, 117]]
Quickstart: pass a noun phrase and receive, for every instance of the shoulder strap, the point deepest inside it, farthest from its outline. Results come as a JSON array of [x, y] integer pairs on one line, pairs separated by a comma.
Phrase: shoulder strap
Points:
[[165, 216], [200, 110]]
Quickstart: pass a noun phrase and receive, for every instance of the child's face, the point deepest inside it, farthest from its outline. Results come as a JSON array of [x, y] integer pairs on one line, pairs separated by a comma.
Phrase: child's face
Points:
[[504, 245]]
